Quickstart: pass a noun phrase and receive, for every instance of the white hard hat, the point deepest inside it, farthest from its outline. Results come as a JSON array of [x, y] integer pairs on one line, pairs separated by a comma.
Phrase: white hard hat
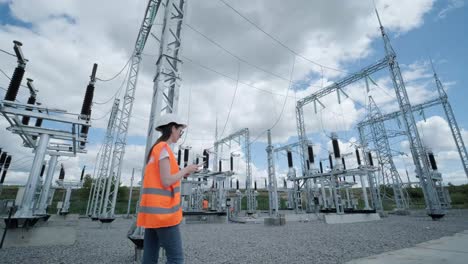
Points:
[[167, 119]]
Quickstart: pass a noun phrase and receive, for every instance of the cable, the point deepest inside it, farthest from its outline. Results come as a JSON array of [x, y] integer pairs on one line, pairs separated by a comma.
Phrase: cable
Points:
[[188, 114], [6, 52], [233, 98], [279, 42], [5, 74], [115, 76], [117, 93], [103, 115], [222, 74], [234, 55]]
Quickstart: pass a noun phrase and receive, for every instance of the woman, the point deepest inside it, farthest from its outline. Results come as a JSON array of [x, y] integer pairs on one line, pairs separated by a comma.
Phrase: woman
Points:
[[160, 212]]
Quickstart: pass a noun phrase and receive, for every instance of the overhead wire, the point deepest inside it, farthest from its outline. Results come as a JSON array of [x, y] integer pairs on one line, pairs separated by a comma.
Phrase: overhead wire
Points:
[[116, 75], [278, 41], [117, 93], [6, 52], [233, 99]]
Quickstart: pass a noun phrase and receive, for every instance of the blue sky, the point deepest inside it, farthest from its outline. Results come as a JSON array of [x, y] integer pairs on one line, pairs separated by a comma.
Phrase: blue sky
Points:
[[441, 38]]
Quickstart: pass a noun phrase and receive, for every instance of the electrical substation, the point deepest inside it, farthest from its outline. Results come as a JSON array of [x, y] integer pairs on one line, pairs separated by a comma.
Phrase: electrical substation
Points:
[[315, 187]]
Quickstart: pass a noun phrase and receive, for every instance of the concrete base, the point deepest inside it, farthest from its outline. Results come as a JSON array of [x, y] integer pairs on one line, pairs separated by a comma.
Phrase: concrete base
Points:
[[451, 249], [350, 218], [204, 219], [57, 231], [274, 221]]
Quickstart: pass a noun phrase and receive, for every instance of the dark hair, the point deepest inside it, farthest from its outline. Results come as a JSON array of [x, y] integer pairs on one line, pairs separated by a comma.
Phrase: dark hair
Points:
[[165, 135]]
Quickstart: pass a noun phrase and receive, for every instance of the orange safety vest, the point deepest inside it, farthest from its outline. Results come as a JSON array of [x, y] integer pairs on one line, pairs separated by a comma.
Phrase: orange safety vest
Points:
[[159, 205], [205, 204]]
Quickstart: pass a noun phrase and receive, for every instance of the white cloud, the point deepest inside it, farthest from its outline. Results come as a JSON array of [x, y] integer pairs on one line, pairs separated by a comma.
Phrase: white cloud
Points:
[[451, 5], [66, 37]]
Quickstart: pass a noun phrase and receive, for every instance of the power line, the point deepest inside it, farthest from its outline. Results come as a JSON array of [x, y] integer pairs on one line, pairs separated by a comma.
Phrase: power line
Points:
[[115, 76], [6, 52], [278, 41], [234, 55], [117, 93], [233, 98], [6, 75]]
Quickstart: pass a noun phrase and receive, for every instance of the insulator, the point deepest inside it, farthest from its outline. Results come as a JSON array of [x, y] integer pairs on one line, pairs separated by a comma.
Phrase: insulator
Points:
[[31, 101], [15, 83], [223, 184], [2, 159], [265, 183], [344, 163], [197, 160], [232, 163], [237, 184], [42, 170], [358, 157], [432, 160], [199, 179], [336, 147], [220, 166], [213, 184], [371, 161], [290, 160], [231, 183], [38, 124], [255, 185], [179, 156], [5, 169], [310, 150], [206, 159], [62, 173], [88, 99], [321, 167], [82, 173], [1, 151], [84, 133], [186, 157], [330, 161], [308, 165], [285, 184], [216, 185], [354, 178]]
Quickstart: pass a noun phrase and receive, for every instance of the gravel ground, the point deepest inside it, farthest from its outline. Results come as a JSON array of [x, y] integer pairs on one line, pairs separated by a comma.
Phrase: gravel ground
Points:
[[297, 242]]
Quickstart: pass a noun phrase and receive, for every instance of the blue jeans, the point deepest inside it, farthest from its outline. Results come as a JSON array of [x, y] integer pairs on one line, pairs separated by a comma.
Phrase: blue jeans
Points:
[[167, 237]]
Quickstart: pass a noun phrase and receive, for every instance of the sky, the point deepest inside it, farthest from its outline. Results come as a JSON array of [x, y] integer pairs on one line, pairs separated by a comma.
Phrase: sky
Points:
[[227, 61]]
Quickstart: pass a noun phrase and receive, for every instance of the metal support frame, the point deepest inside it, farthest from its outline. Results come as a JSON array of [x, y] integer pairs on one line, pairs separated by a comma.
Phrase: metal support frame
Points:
[[242, 137], [43, 199], [272, 184]]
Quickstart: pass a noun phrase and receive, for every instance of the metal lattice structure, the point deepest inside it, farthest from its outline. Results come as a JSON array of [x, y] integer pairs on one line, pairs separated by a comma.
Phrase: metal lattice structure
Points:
[[272, 184], [433, 206], [384, 154], [103, 164], [167, 78], [241, 137]]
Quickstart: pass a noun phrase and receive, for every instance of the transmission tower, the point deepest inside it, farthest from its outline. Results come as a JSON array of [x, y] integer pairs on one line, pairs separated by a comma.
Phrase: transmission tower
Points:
[[433, 206], [99, 186], [382, 146]]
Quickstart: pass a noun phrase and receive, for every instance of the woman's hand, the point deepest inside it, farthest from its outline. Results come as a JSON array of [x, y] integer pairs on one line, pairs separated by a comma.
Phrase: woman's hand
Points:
[[190, 169]]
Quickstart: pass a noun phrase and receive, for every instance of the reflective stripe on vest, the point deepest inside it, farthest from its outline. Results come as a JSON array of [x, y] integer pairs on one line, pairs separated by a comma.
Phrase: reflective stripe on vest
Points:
[[159, 204], [162, 192]]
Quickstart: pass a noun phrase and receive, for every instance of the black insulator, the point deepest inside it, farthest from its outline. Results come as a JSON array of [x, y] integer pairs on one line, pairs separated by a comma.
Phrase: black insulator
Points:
[[199, 179], [223, 184], [344, 163], [206, 159], [42, 170], [82, 173], [308, 165], [197, 160], [285, 184], [232, 163], [216, 185], [237, 184], [84, 133], [265, 183], [290, 161], [358, 157], [179, 156], [15, 83], [432, 160], [231, 183], [255, 185], [62, 173], [336, 148], [321, 167], [5, 169], [310, 150], [371, 161], [354, 178], [220, 166], [38, 124], [213, 185], [2, 159], [330, 161], [31, 101], [87, 101], [186, 156]]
